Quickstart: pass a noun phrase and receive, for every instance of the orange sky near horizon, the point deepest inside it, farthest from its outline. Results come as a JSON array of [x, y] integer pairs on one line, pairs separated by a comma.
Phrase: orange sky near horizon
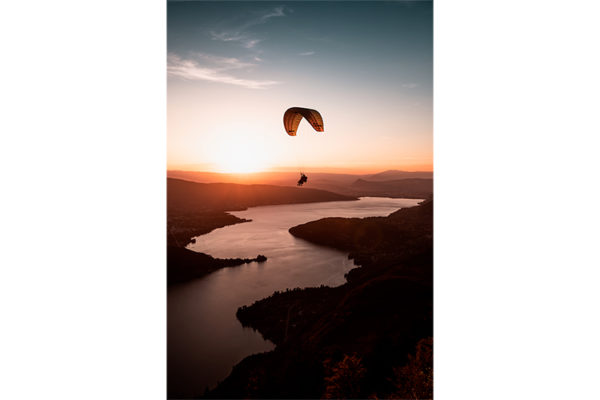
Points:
[[234, 71], [206, 137], [324, 169]]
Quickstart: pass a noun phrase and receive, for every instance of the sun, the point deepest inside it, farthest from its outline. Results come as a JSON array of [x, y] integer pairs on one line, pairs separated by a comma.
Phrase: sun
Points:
[[241, 156]]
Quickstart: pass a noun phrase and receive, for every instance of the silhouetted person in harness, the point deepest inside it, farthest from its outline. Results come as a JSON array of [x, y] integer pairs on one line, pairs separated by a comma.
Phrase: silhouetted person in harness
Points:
[[302, 179]]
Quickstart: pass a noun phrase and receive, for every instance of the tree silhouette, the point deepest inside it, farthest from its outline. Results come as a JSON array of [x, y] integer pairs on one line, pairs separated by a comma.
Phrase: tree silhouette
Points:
[[343, 379], [415, 379]]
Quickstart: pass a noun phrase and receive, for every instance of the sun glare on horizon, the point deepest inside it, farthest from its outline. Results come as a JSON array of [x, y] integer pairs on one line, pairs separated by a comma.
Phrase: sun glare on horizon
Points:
[[240, 156]]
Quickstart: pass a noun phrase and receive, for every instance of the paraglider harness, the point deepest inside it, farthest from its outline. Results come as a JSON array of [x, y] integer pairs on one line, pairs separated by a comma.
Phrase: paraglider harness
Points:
[[302, 179]]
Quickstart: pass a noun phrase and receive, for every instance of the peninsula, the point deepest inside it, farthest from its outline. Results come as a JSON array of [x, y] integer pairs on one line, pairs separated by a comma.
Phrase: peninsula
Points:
[[369, 338]]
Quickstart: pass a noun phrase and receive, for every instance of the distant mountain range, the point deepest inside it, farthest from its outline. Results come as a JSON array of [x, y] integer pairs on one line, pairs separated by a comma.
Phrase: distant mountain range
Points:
[[422, 188], [393, 174], [290, 178], [391, 183]]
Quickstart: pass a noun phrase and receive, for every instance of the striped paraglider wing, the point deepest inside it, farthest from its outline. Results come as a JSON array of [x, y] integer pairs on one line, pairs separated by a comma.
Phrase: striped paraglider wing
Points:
[[293, 116]]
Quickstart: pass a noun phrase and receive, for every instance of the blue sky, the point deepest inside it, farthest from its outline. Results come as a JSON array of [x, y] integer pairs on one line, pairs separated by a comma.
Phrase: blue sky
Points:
[[234, 67]]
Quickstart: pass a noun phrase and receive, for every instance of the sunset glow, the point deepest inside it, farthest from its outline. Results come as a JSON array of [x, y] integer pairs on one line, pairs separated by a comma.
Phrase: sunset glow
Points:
[[241, 155], [231, 81]]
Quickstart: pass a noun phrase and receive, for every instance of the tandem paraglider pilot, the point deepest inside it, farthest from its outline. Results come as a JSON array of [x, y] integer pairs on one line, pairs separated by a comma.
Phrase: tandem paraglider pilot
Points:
[[302, 179]]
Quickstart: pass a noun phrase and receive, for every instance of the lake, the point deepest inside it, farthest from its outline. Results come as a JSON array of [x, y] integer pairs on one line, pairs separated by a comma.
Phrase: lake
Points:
[[205, 339]]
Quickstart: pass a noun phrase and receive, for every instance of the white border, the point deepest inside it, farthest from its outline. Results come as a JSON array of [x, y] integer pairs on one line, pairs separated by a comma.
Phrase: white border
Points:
[[82, 292], [516, 214]]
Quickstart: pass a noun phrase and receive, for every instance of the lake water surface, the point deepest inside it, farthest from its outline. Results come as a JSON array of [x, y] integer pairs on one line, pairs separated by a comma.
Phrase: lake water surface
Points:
[[205, 340]]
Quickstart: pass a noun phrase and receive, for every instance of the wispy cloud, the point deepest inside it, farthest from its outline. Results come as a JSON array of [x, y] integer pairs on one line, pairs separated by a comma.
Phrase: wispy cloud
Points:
[[307, 53], [214, 70], [250, 43], [261, 19], [245, 41], [240, 34], [226, 36], [222, 63]]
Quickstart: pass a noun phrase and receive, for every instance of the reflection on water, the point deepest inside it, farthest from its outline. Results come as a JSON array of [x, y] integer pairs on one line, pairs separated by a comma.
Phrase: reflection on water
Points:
[[205, 340]]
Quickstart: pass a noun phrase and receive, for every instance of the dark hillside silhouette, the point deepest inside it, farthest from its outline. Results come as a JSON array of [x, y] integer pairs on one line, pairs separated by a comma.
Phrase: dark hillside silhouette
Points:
[[197, 208], [185, 265], [192, 196], [368, 337]]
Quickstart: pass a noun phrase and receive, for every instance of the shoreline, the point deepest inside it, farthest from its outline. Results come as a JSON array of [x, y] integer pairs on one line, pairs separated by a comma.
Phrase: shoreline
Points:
[[315, 326], [187, 265]]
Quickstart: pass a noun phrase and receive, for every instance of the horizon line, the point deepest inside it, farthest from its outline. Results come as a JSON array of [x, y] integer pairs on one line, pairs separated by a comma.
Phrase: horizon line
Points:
[[332, 170]]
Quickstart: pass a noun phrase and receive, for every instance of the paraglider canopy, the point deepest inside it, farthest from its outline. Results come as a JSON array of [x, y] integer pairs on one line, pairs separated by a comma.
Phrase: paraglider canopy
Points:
[[293, 116]]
